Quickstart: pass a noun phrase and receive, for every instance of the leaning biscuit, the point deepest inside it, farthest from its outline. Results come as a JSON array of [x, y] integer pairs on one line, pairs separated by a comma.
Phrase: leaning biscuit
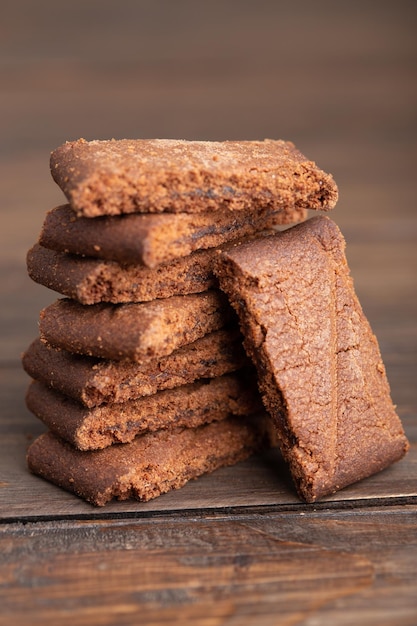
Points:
[[151, 464], [319, 366], [127, 176]]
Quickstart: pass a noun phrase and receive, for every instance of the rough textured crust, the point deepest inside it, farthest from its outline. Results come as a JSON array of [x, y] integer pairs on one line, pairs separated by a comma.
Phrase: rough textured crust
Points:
[[319, 366], [125, 176], [188, 406], [150, 239], [93, 381], [133, 331], [90, 281], [150, 465]]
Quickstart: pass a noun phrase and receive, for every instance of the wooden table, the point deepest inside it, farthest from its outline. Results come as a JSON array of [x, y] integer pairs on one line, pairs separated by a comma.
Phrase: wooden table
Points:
[[236, 547]]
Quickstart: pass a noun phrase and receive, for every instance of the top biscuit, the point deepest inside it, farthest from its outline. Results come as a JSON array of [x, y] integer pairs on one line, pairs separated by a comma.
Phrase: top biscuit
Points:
[[164, 175]]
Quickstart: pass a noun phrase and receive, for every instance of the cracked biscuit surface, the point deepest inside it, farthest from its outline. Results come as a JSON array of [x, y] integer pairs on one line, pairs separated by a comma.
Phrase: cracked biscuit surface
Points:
[[167, 175], [319, 366]]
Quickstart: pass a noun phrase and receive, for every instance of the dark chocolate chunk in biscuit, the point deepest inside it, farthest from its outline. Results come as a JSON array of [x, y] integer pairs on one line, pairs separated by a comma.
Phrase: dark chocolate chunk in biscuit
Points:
[[125, 176], [319, 366], [187, 406], [94, 381]]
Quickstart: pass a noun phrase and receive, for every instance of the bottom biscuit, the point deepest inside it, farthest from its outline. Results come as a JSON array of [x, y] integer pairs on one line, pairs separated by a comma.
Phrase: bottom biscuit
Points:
[[150, 465]]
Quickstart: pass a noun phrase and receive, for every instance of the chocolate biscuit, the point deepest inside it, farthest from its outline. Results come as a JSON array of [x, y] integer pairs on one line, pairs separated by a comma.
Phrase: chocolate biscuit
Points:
[[188, 406], [94, 381], [125, 176], [319, 366], [151, 239], [133, 331], [90, 281], [151, 464]]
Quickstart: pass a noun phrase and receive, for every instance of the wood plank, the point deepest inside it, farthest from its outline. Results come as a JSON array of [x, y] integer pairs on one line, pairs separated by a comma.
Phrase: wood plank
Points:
[[241, 569], [260, 481]]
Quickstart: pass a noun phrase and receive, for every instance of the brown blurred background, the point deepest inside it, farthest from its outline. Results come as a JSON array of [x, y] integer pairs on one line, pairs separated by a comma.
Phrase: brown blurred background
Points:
[[337, 78]]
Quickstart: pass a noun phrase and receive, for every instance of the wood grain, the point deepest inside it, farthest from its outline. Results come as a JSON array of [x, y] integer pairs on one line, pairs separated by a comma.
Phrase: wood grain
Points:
[[212, 570]]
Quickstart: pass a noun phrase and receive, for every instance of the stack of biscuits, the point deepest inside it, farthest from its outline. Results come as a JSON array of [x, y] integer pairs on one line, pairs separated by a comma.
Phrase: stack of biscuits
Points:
[[141, 372]]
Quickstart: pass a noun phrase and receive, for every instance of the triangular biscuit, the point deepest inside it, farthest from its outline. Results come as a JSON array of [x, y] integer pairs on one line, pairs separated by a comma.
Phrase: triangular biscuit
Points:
[[319, 366]]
